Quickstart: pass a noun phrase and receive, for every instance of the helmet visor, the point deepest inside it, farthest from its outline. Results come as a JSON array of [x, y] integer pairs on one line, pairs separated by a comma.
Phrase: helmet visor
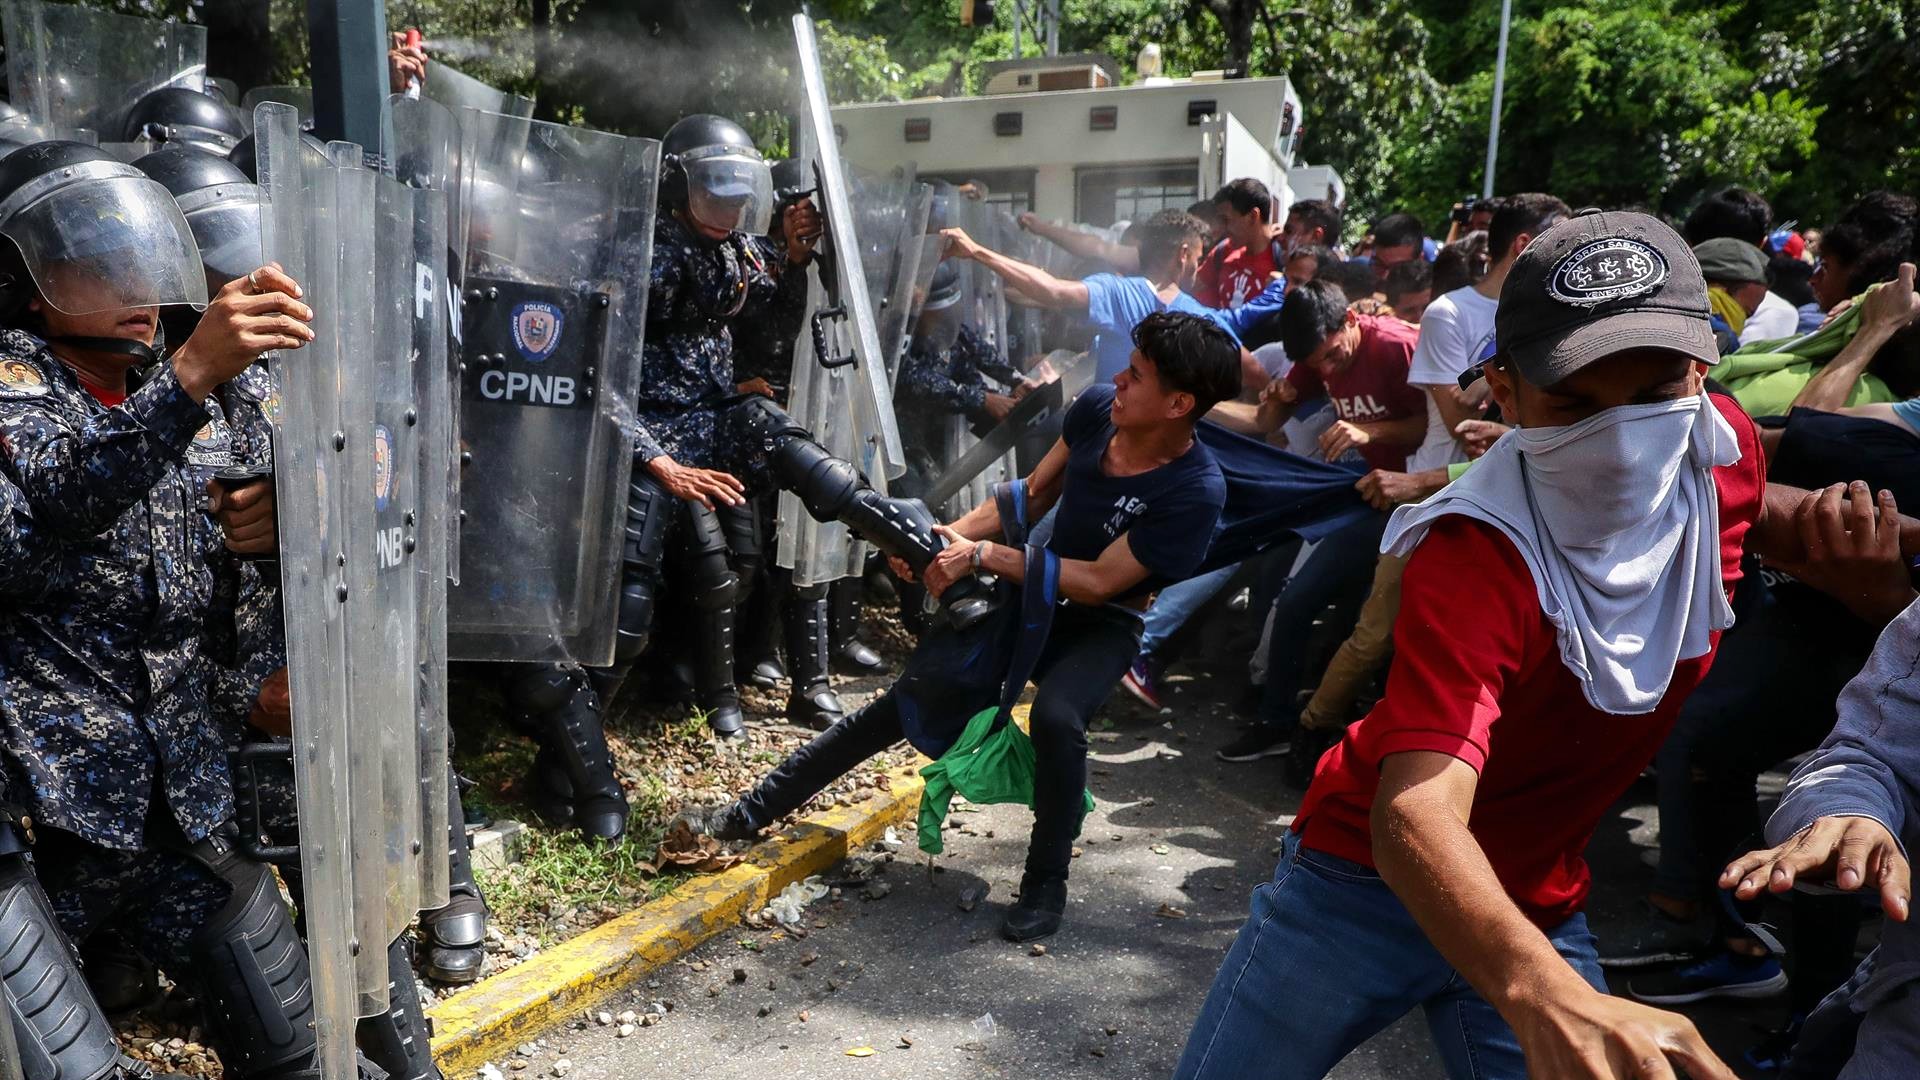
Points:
[[729, 188], [105, 243], [226, 227]]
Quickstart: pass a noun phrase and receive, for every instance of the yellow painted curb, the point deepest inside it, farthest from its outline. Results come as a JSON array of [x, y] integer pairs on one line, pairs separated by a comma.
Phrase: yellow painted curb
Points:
[[484, 1022]]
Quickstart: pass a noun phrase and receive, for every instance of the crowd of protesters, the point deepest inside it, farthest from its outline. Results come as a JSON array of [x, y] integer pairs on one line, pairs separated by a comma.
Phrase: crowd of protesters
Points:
[[1681, 552]]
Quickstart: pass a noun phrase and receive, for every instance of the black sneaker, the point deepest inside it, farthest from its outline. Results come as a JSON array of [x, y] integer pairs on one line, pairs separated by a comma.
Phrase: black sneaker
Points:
[[1723, 974], [1259, 742]]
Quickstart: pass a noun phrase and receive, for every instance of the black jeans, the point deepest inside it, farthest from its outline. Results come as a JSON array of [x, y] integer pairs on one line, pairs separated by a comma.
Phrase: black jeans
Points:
[[1087, 652]]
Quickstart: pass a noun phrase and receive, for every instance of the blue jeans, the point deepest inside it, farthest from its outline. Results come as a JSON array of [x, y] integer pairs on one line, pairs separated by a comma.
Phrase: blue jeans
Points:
[[1329, 957], [1177, 603], [1341, 563]]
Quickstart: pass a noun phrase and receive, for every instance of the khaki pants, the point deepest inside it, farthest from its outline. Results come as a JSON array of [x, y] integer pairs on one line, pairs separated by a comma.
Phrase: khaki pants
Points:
[[1362, 653]]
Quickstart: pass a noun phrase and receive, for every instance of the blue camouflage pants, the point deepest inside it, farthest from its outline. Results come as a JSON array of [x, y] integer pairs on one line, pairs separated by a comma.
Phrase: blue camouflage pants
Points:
[[158, 899]]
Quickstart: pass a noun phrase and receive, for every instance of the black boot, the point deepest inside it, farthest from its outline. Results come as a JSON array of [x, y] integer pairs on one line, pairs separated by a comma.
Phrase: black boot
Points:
[[1038, 912], [713, 673], [756, 647], [123, 980], [396, 1040], [813, 703], [453, 939], [851, 656], [574, 779], [832, 489]]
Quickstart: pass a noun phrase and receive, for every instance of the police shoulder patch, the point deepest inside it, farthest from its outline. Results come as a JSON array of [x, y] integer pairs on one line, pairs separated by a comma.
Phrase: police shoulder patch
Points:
[[1613, 268], [21, 379]]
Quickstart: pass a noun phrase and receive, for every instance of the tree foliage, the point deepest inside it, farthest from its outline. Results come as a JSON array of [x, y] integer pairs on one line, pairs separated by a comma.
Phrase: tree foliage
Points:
[[1612, 102]]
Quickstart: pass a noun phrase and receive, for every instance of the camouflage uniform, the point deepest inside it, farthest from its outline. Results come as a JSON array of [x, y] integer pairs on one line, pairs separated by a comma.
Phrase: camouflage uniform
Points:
[[113, 572], [933, 386], [698, 290], [253, 642], [763, 348]]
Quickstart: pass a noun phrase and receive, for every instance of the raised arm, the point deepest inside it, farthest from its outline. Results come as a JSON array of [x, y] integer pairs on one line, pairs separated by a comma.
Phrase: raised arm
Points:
[[1083, 245], [1042, 288], [1884, 312]]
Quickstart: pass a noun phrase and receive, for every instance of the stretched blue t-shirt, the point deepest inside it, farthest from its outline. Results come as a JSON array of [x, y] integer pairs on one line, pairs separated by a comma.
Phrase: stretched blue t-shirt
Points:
[[1115, 305], [1167, 514]]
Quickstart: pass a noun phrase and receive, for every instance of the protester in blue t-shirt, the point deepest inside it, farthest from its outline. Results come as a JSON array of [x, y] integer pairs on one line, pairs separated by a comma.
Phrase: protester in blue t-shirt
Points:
[[1171, 245], [1137, 496]]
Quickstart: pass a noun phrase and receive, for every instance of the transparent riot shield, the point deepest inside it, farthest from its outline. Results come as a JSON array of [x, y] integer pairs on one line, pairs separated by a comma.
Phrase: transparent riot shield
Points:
[[383, 654], [840, 391], [300, 97], [457, 90], [1026, 324], [10, 1066], [895, 265], [559, 247], [300, 232], [421, 147], [984, 310], [71, 66]]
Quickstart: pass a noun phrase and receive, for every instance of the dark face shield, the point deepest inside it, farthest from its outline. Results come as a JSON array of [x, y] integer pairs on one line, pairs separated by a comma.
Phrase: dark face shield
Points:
[[729, 188], [100, 236], [226, 227]]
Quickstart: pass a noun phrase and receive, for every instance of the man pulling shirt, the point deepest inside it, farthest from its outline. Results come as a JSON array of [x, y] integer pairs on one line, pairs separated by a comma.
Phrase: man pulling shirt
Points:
[[1137, 497], [1436, 862]]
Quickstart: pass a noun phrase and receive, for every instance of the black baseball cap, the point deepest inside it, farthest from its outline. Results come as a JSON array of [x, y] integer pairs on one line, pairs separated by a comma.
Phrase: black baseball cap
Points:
[[1597, 284]]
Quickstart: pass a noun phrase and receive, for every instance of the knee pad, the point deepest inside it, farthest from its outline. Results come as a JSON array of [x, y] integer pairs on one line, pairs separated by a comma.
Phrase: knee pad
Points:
[[254, 968], [636, 620], [539, 689], [740, 528], [58, 1026], [766, 423], [713, 584], [651, 513], [825, 484]]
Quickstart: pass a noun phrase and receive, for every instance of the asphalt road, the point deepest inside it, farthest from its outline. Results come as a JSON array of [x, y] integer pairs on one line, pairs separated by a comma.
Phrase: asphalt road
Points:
[[1177, 841]]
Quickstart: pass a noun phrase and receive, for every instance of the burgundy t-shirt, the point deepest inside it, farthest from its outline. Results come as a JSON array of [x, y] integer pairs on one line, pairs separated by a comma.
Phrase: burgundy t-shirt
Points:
[[1374, 387]]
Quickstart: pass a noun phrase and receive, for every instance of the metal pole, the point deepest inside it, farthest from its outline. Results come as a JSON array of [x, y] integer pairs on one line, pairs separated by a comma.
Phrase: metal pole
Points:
[[348, 47], [1019, 17], [1053, 27], [1499, 91]]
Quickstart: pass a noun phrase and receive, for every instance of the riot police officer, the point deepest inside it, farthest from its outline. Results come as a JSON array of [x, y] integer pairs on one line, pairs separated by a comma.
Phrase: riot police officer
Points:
[[763, 362], [222, 208], [106, 727], [700, 443]]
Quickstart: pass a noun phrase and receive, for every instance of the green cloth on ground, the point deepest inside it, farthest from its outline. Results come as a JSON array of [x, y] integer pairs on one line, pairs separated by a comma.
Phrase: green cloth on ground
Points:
[[987, 765], [1765, 376]]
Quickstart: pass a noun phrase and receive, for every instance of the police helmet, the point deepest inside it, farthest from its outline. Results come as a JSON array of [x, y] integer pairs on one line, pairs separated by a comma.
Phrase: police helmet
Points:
[[175, 114], [88, 233], [791, 174], [245, 154], [713, 171], [221, 205]]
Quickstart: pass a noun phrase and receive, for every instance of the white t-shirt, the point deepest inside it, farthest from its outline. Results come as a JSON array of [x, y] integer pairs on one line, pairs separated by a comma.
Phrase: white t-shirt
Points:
[[1454, 330], [1774, 318]]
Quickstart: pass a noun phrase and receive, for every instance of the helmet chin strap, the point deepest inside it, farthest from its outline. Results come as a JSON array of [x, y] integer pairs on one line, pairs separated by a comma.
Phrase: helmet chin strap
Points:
[[141, 352]]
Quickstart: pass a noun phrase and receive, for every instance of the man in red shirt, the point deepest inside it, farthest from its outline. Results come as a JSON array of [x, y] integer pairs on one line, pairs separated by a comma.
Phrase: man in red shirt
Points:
[[1436, 861], [1358, 364], [1240, 266]]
